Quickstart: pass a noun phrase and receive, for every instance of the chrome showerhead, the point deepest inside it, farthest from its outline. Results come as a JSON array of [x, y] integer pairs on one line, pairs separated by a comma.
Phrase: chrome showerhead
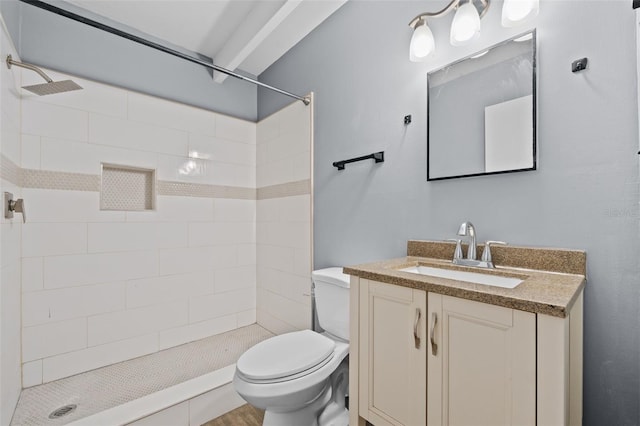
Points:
[[50, 87], [53, 87]]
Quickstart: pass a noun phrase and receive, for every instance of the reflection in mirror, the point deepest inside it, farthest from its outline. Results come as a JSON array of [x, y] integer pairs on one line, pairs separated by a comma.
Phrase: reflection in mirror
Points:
[[482, 112]]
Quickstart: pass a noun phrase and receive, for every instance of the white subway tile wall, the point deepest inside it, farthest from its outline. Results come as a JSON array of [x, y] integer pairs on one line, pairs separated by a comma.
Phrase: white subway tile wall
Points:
[[41, 341], [228, 243], [30, 151], [120, 325], [32, 373], [101, 287], [32, 274], [50, 239], [81, 157], [199, 330], [54, 121], [284, 228], [42, 307], [75, 362], [10, 230], [127, 134]]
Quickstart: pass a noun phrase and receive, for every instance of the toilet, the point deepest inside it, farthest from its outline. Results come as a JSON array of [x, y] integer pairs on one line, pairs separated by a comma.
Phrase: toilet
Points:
[[301, 378]]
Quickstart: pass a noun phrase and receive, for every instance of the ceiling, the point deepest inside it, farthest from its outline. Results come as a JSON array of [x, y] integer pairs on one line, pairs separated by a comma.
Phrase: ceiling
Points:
[[247, 35]]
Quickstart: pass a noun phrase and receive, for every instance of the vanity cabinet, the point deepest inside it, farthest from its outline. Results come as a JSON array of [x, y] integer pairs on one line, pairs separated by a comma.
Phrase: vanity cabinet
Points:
[[392, 354], [481, 364], [424, 358]]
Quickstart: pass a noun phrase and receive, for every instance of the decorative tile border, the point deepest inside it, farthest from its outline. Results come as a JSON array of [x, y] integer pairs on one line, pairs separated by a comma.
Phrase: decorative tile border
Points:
[[288, 189], [46, 179], [203, 190]]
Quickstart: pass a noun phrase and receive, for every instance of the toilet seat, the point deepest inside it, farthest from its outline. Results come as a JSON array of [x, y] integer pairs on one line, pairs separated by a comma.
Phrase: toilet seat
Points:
[[285, 357]]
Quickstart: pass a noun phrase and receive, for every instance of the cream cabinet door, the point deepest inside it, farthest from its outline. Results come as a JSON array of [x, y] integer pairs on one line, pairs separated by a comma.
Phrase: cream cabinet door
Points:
[[481, 364], [393, 364]]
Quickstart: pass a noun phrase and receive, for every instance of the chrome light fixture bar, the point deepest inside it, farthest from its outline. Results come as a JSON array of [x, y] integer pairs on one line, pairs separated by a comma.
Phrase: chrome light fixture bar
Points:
[[465, 26]]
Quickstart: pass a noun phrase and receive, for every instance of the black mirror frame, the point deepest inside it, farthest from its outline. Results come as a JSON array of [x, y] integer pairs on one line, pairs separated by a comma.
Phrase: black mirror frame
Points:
[[533, 32]]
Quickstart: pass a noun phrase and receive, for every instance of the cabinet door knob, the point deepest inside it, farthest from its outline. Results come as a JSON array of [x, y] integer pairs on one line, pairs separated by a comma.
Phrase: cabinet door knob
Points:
[[434, 345], [416, 336]]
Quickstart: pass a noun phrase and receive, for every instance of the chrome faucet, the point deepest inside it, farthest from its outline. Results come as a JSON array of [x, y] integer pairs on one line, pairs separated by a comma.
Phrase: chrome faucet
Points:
[[467, 229]]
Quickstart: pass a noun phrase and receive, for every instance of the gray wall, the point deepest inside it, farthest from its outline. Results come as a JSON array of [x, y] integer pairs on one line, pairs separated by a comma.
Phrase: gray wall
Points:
[[62, 44], [10, 10], [584, 194]]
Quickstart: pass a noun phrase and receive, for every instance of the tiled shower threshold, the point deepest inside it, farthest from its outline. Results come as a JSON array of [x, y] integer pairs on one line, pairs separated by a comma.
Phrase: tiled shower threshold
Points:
[[133, 389]]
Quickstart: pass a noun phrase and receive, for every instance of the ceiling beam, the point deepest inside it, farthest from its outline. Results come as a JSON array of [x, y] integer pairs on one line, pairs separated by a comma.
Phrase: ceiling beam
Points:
[[248, 37]]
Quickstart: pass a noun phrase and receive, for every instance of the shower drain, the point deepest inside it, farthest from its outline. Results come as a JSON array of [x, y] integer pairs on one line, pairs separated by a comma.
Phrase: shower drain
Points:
[[63, 411]]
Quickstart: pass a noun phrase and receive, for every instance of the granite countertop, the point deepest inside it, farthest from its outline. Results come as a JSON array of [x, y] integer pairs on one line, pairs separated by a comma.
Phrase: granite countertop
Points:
[[542, 291]]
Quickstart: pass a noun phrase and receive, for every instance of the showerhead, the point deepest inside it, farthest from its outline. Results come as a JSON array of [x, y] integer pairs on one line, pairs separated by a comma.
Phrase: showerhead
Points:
[[50, 87], [53, 87]]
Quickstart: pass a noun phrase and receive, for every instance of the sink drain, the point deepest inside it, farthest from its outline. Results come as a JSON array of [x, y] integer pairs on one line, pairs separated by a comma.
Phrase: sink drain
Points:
[[63, 411]]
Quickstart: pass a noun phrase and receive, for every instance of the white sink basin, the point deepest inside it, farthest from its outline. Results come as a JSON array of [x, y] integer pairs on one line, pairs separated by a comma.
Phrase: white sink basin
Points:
[[470, 277]]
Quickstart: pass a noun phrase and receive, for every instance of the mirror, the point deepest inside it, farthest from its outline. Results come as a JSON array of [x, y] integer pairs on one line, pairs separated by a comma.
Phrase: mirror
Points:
[[481, 115]]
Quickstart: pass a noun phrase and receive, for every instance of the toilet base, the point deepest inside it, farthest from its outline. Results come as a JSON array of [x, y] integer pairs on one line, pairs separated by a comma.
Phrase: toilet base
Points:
[[335, 413], [306, 416], [328, 409]]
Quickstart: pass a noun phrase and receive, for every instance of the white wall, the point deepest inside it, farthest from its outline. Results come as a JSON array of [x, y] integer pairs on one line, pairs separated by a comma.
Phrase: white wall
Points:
[[105, 286], [10, 384], [284, 236]]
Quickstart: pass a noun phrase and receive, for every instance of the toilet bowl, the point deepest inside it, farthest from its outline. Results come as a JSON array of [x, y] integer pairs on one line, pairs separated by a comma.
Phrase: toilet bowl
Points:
[[301, 378]]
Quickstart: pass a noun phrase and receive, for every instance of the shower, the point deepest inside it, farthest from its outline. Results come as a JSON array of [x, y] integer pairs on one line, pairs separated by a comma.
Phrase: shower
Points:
[[50, 87]]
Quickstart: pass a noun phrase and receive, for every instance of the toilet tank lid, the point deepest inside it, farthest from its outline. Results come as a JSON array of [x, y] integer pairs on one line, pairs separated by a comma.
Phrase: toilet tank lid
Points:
[[333, 275]]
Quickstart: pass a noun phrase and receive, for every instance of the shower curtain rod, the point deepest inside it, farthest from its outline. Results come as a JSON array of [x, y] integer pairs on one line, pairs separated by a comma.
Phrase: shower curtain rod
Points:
[[140, 40]]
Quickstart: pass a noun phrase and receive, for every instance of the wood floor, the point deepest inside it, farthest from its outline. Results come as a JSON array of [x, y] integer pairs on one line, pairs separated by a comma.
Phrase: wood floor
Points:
[[245, 415]]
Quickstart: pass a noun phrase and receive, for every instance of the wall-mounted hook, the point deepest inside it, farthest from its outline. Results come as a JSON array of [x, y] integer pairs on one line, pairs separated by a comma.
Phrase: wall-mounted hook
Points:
[[11, 205], [579, 65]]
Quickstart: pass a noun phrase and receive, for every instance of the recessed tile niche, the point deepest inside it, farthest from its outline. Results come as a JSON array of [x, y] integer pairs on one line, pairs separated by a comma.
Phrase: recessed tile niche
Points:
[[127, 188]]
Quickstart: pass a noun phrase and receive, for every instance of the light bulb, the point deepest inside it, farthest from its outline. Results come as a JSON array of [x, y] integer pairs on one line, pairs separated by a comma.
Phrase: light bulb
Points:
[[479, 55], [422, 43], [515, 12], [466, 24]]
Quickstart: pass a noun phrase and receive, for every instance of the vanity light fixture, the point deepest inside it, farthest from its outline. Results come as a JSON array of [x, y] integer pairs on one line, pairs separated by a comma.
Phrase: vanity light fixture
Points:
[[422, 42], [514, 12], [465, 26]]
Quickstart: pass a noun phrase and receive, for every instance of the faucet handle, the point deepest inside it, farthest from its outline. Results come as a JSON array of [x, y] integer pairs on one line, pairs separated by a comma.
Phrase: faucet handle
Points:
[[458, 253], [486, 253]]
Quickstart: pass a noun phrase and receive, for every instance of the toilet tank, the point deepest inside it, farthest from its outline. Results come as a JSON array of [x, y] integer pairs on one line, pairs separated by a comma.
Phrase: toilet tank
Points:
[[332, 300]]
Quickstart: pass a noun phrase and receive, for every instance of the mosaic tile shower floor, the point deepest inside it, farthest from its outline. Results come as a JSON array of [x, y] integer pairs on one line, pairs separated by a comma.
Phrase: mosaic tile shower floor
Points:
[[116, 384]]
